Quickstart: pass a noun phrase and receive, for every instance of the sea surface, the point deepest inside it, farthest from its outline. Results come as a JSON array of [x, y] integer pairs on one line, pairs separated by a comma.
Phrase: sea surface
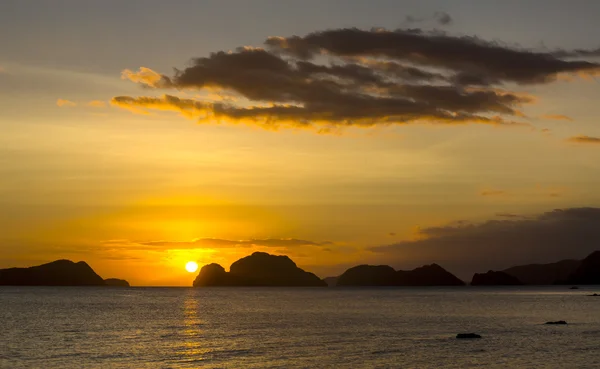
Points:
[[90, 327]]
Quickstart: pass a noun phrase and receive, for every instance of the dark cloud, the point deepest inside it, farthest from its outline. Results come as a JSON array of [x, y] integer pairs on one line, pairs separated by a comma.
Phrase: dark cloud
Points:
[[441, 18], [471, 59], [369, 77], [584, 139], [497, 244]]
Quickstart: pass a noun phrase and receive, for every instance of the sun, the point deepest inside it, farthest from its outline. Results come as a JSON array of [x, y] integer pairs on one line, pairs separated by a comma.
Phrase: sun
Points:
[[191, 266]]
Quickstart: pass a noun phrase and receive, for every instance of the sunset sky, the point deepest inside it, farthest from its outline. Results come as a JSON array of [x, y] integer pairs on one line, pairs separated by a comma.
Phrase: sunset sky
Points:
[[140, 135]]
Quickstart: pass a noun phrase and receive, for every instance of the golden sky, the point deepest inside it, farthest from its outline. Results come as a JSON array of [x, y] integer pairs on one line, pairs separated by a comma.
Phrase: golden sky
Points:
[[332, 145]]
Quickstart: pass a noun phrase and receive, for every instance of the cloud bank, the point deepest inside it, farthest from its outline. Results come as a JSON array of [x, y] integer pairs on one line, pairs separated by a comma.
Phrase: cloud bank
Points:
[[467, 247], [355, 77]]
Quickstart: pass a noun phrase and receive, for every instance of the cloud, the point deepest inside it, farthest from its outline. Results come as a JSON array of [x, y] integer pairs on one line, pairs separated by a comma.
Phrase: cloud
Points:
[[65, 103], [223, 243], [370, 77], [96, 104], [584, 139], [144, 76], [508, 215], [467, 247], [492, 193], [441, 18], [471, 59], [556, 117]]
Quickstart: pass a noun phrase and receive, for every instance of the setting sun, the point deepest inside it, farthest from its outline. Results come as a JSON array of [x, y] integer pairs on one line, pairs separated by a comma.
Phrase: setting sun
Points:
[[191, 266]]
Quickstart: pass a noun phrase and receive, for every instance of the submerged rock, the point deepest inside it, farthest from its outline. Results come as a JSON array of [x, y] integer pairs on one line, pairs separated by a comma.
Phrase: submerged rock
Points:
[[467, 335], [558, 322]]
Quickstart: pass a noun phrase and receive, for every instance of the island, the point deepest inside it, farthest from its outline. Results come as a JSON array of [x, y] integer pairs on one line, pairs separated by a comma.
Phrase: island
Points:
[[494, 278], [544, 274], [258, 269], [56, 273], [588, 272], [385, 275], [115, 282]]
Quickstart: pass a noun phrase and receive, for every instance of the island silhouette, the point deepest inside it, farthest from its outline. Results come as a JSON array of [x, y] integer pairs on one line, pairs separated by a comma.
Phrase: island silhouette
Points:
[[57, 273], [263, 269], [258, 269], [385, 275], [495, 278]]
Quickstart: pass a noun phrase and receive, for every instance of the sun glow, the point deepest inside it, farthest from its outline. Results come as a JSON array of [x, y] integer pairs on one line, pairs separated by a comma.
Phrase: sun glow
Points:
[[191, 266]]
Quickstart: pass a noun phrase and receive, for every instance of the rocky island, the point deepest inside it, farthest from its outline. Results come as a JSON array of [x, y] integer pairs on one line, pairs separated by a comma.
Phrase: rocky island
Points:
[[56, 273], [258, 269], [115, 282], [492, 278], [385, 275]]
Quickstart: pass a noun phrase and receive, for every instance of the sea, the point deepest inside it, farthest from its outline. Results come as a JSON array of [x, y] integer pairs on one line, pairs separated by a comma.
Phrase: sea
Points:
[[91, 327]]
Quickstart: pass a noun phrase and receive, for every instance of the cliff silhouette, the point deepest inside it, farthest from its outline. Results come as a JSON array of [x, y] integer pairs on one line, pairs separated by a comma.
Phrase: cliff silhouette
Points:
[[56, 273], [258, 269], [385, 275], [493, 278]]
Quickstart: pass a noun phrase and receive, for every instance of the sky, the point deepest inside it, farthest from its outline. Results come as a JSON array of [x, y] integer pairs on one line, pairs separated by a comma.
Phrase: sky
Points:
[[140, 135]]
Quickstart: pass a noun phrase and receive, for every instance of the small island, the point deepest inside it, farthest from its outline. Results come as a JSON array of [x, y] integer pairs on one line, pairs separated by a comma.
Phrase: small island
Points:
[[115, 282], [493, 278], [56, 273], [258, 269], [385, 275]]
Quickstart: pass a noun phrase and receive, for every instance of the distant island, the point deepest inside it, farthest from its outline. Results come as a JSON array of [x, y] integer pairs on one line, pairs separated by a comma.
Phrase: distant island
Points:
[[115, 282], [544, 274], [385, 275], [56, 273], [258, 269], [586, 271], [493, 278]]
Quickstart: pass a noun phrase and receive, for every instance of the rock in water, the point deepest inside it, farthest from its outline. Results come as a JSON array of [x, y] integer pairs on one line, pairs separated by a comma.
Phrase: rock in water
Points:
[[467, 335], [558, 322]]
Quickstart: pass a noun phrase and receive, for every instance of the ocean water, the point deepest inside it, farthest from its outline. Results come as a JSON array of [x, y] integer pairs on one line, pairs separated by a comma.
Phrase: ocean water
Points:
[[70, 327]]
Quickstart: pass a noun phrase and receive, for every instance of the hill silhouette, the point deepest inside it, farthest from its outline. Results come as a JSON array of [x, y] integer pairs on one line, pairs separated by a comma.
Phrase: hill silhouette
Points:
[[385, 275], [492, 278], [541, 274], [56, 273], [258, 269], [588, 271], [115, 282]]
